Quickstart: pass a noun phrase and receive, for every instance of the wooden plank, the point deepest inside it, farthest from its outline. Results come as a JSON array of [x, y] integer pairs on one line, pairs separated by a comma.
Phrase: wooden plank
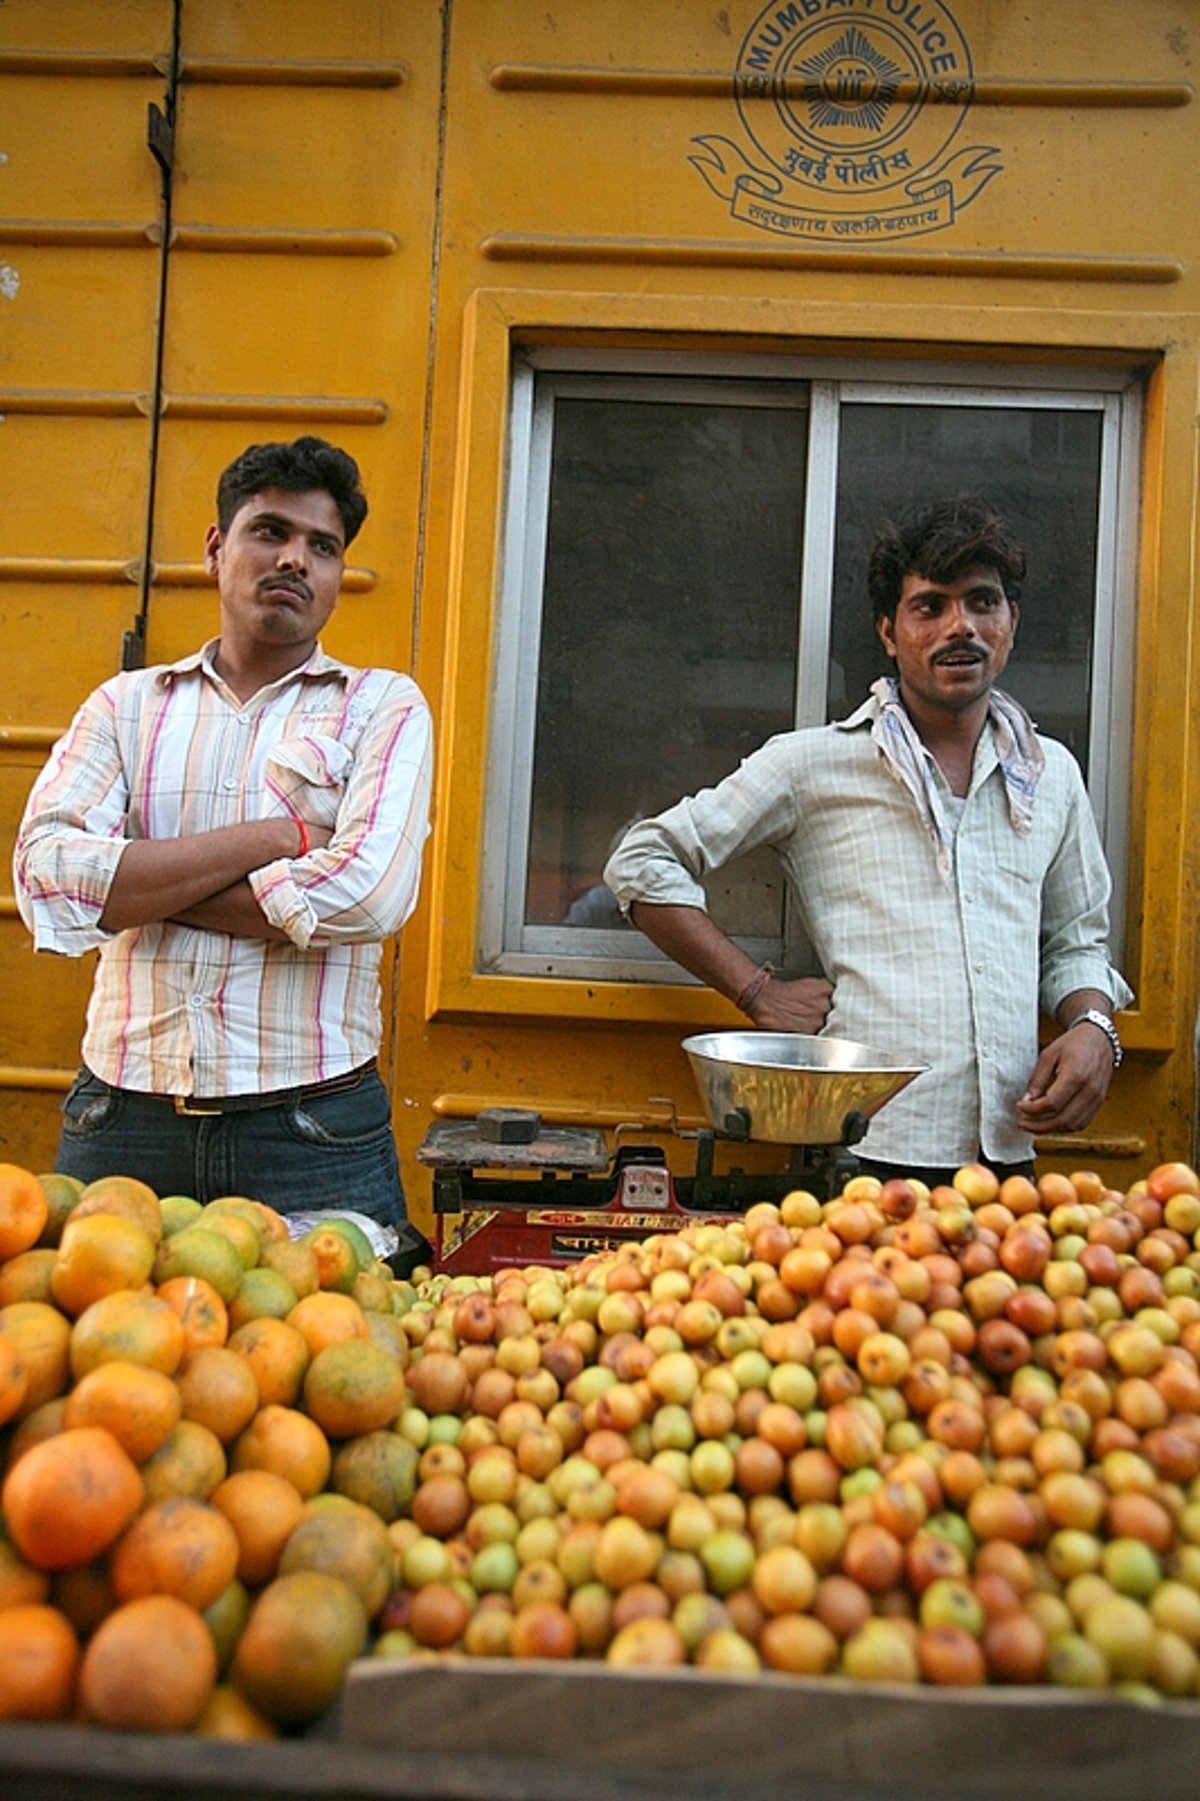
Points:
[[815, 1740], [578, 1732]]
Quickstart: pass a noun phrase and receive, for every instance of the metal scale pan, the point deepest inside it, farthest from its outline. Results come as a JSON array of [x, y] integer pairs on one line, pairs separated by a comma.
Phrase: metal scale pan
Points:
[[786, 1088]]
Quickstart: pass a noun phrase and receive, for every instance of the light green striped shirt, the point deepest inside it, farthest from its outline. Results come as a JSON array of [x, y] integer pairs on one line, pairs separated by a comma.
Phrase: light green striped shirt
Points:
[[946, 973]]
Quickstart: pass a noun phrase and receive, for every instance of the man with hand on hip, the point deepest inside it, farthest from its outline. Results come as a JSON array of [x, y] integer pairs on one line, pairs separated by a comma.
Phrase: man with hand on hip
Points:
[[945, 863]]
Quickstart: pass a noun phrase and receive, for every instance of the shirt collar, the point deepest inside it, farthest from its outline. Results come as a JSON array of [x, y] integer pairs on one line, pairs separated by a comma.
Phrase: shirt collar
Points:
[[319, 666], [866, 714], [986, 756]]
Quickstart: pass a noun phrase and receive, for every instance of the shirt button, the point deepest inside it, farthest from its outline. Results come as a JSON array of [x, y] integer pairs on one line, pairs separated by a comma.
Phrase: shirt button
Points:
[[230, 781]]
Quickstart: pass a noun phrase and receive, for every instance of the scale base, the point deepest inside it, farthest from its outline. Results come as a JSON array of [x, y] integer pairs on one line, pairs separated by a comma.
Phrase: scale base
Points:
[[560, 1196]]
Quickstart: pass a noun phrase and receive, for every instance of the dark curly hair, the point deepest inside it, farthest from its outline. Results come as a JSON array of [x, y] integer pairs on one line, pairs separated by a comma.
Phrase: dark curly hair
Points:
[[301, 467], [938, 542]]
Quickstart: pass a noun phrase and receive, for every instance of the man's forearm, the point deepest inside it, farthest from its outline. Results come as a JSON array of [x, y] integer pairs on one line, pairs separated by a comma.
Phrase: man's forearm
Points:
[[236, 911], [689, 938], [162, 878]]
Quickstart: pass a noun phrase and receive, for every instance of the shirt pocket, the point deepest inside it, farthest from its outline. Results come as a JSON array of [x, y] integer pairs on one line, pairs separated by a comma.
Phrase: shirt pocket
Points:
[[307, 774], [1025, 865]]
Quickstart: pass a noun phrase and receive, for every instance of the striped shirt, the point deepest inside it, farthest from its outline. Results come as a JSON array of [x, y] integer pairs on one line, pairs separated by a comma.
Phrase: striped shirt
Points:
[[945, 972], [170, 751]]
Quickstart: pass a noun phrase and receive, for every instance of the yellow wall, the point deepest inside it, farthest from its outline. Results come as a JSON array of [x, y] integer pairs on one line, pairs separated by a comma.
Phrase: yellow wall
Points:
[[370, 202]]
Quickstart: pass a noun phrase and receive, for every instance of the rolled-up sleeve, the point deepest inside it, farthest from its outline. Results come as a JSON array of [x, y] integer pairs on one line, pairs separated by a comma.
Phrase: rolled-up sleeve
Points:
[[1074, 934], [71, 837], [664, 860], [363, 885]]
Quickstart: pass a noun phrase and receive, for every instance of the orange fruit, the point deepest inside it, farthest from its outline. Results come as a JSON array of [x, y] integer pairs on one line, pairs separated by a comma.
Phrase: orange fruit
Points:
[[134, 1325], [125, 1197], [337, 1260], [84, 1593], [14, 1377], [353, 1387], [70, 1497], [190, 1461], [39, 1660], [62, 1193], [26, 1277], [150, 1666], [23, 1209], [230, 1716], [138, 1405], [226, 1619], [286, 1441], [199, 1306], [176, 1547], [388, 1330], [44, 1422], [292, 1259], [326, 1318], [270, 1227], [263, 1292], [99, 1255], [217, 1388], [303, 1633], [264, 1510], [178, 1211], [43, 1340], [380, 1470], [200, 1251], [345, 1540], [20, 1583], [373, 1292], [278, 1355], [242, 1233], [275, 1226]]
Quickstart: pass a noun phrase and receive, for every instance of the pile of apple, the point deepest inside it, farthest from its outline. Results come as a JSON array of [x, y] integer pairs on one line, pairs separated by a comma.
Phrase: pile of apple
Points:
[[947, 1436]]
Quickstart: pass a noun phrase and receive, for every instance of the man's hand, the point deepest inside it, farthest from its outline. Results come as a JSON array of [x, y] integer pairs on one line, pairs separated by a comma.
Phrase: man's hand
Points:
[[689, 936], [1069, 1082], [800, 1006]]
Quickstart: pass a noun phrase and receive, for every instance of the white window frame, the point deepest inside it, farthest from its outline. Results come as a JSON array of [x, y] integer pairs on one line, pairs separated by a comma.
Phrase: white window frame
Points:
[[822, 386]]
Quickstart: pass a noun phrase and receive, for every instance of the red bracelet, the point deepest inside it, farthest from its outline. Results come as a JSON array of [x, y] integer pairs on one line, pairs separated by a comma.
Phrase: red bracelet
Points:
[[754, 987], [305, 847]]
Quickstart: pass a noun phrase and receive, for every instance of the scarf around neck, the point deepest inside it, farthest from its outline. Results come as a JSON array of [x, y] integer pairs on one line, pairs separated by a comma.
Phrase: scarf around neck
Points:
[[1018, 752]]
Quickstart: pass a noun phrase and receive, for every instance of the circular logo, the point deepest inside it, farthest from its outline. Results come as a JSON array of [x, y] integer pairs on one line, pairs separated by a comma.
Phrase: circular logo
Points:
[[873, 91]]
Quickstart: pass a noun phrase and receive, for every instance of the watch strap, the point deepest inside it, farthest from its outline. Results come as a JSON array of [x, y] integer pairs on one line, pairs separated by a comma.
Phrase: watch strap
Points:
[[1092, 1016]]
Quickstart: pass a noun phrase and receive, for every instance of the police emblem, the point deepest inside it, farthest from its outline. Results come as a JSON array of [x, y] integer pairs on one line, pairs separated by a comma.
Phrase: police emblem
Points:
[[851, 108]]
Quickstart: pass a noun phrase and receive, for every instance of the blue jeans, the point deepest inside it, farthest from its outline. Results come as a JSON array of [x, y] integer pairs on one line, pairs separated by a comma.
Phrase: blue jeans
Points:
[[334, 1150]]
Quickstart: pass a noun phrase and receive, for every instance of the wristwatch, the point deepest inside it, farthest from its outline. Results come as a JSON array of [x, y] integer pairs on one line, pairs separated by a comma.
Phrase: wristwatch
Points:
[[1093, 1017]]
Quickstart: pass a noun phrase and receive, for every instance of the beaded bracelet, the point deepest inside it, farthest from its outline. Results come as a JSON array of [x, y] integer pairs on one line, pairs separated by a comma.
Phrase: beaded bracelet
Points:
[[754, 987]]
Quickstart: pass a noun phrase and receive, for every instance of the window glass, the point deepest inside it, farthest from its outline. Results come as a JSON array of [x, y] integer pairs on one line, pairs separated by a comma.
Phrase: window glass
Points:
[[685, 575], [1041, 467], [670, 609]]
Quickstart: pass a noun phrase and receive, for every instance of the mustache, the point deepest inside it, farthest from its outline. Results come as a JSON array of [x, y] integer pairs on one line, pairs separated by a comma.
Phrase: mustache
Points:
[[972, 651], [294, 583]]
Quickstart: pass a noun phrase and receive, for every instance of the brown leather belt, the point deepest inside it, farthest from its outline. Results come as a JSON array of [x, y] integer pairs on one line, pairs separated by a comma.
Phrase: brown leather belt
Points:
[[206, 1106]]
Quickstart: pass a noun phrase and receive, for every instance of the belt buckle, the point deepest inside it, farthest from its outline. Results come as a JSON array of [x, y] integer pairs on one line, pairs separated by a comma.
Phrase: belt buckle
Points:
[[187, 1108]]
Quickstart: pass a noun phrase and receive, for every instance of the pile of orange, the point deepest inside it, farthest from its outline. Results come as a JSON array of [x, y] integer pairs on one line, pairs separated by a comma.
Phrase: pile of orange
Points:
[[175, 1381], [947, 1437]]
